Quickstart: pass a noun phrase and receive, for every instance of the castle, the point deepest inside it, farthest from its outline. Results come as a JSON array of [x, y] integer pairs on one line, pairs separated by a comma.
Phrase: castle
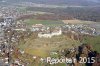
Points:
[[56, 32]]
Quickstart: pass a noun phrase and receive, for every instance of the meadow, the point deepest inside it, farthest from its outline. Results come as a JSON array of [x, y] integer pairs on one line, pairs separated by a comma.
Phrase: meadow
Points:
[[43, 46], [44, 22]]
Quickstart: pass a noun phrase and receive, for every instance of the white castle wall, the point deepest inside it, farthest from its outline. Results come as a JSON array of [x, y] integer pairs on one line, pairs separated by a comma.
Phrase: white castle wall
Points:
[[49, 35]]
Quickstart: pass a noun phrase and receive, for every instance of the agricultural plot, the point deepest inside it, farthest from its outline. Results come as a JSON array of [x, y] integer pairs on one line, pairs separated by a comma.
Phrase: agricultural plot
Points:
[[44, 22]]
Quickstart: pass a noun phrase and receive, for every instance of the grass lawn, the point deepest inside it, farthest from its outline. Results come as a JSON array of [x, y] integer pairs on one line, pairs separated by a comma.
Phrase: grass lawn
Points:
[[43, 46], [37, 52], [44, 22]]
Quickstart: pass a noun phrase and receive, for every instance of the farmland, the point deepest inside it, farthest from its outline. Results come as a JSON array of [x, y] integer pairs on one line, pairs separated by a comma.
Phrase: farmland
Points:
[[44, 22]]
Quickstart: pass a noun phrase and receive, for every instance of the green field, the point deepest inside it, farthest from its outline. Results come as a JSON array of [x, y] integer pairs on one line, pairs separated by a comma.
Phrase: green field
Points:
[[44, 22], [42, 46]]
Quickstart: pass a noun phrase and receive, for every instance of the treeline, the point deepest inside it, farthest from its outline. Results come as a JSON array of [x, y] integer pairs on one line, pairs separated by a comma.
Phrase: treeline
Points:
[[46, 17], [82, 13]]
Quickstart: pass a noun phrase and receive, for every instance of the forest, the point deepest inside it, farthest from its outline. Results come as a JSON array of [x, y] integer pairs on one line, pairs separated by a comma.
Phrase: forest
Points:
[[82, 13]]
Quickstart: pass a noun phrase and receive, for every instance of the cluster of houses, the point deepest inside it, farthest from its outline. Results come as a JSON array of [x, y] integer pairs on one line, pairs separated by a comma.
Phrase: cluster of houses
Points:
[[4, 45], [7, 22], [79, 28], [48, 32], [20, 26], [14, 11], [8, 36]]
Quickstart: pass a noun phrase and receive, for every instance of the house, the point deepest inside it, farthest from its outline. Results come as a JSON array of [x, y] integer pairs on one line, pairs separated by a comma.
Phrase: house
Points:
[[37, 27]]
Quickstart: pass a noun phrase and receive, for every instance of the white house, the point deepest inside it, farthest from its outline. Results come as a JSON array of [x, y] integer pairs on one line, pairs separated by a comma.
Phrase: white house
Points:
[[37, 27]]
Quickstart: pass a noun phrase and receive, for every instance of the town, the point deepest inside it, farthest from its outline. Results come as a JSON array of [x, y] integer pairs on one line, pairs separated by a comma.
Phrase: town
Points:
[[31, 34], [10, 34]]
